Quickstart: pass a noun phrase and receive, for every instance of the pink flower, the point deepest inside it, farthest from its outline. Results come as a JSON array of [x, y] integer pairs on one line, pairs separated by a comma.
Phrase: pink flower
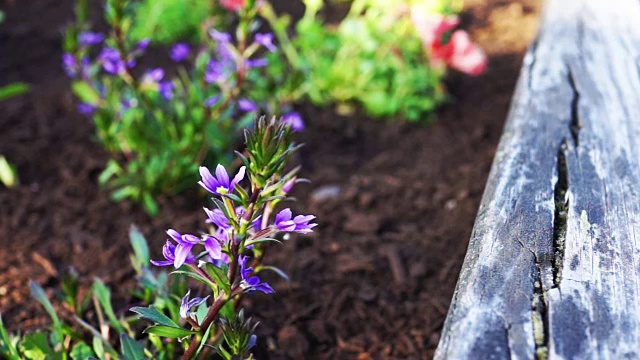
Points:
[[467, 57], [458, 52], [233, 5], [432, 27]]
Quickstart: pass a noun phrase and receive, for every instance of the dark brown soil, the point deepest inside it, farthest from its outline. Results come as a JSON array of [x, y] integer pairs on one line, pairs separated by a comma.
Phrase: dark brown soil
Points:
[[376, 278]]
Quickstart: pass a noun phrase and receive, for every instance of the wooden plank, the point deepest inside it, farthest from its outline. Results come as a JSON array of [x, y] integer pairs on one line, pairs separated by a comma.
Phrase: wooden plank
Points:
[[553, 265]]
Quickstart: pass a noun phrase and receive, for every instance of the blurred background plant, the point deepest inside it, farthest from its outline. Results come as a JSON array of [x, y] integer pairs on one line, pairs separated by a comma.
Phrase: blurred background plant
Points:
[[169, 21], [389, 57], [159, 130]]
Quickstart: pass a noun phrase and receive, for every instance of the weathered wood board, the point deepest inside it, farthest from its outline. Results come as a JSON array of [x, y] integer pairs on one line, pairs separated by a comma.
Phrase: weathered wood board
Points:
[[553, 266]]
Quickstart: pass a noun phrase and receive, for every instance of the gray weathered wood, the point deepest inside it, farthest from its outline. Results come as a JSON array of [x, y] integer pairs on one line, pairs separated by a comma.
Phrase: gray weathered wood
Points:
[[553, 266]]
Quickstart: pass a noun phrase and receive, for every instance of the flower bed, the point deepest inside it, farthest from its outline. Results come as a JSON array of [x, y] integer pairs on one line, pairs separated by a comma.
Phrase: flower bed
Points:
[[390, 199]]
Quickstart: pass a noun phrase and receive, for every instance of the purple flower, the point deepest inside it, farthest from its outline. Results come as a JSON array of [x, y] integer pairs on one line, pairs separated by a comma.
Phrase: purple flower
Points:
[[153, 75], [216, 217], [213, 247], [186, 305], [90, 38], [209, 102], [180, 254], [299, 224], [165, 89], [256, 63], [266, 40], [179, 52], [86, 109], [294, 120], [168, 251], [213, 72], [247, 105], [220, 37], [70, 65], [112, 61], [128, 104], [218, 70], [286, 188], [250, 281], [143, 44], [220, 183]]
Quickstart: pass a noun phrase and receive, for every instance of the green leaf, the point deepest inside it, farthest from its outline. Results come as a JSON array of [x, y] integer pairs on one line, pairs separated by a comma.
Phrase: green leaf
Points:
[[8, 173], [6, 346], [38, 293], [86, 93], [276, 270], [36, 347], [12, 90], [205, 339], [219, 276], [98, 347], [168, 331], [150, 205], [139, 245], [151, 313], [131, 349], [195, 276], [228, 311], [81, 351], [104, 297]]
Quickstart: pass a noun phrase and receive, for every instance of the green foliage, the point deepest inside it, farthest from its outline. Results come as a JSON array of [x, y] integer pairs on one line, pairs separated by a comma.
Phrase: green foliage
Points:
[[166, 21], [372, 59], [112, 336], [12, 90]]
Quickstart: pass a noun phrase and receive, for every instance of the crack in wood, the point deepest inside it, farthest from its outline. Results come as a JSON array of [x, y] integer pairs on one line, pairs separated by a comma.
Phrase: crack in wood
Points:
[[532, 50], [574, 124], [561, 209], [551, 266], [539, 317]]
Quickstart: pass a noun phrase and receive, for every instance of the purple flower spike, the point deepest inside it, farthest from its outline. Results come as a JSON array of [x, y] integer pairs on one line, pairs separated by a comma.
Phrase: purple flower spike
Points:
[[165, 89], [250, 281], [186, 305], [256, 63], [247, 105], [212, 101], [70, 65], [220, 37], [266, 40], [179, 52], [216, 217], [220, 183], [86, 109], [299, 224], [294, 120], [90, 38]]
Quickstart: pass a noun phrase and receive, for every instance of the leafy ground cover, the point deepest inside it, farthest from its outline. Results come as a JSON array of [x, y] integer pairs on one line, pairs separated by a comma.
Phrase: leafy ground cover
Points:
[[390, 199]]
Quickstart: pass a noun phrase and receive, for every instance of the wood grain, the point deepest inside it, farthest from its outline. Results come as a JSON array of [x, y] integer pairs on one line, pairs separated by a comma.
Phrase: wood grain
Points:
[[553, 265]]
